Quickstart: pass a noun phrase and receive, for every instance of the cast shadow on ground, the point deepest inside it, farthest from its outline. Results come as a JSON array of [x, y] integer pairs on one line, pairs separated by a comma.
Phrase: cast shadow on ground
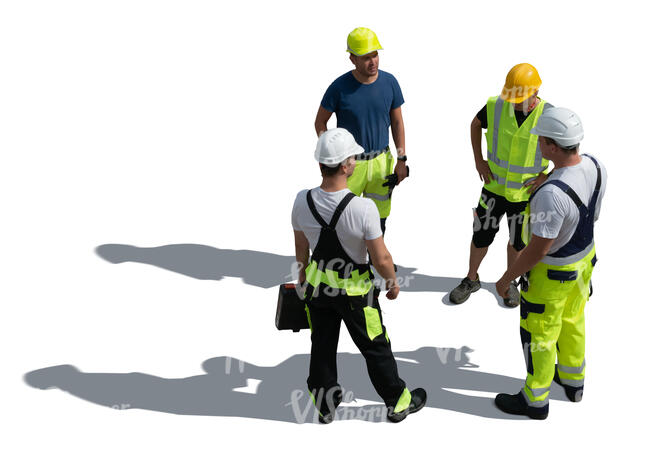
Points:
[[234, 388], [255, 268]]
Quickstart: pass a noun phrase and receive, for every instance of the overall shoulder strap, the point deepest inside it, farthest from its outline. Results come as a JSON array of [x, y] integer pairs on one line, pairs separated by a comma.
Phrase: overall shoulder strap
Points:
[[340, 208], [568, 190], [314, 212], [594, 196]]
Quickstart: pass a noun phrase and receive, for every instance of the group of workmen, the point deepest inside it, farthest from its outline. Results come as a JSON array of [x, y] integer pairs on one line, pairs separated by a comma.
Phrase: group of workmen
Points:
[[550, 215]]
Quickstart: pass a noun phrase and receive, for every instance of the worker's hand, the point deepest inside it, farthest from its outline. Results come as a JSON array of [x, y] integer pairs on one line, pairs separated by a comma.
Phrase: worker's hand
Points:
[[502, 287], [393, 292], [391, 180], [484, 172], [401, 171], [534, 183]]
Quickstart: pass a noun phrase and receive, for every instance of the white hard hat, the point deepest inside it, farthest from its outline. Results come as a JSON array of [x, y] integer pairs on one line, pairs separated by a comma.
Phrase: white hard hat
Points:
[[334, 146], [561, 125]]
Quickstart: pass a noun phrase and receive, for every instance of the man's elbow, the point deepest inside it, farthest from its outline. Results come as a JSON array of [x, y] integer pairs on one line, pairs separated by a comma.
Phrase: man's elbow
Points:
[[384, 259], [539, 248]]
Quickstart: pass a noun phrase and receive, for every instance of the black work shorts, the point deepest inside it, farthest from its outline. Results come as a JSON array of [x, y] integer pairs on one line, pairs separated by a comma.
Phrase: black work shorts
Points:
[[488, 215]]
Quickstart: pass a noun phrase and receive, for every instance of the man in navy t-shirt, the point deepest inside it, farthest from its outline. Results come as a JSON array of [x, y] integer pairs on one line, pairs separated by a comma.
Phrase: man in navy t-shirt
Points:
[[367, 102]]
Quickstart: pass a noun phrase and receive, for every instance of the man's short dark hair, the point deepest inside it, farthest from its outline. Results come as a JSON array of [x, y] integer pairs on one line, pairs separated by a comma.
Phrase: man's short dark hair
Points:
[[328, 171], [573, 149]]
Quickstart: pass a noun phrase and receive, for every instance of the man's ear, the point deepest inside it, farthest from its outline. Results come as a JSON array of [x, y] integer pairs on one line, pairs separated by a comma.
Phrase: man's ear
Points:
[[346, 165]]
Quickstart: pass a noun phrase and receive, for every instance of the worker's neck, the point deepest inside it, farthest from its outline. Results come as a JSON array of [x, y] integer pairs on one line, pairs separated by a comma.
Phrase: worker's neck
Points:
[[568, 160], [528, 105], [365, 79], [334, 183]]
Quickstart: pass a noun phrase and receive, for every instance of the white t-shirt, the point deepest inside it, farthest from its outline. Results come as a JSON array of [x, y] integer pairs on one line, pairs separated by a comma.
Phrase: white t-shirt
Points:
[[554, 215], [358, 222]]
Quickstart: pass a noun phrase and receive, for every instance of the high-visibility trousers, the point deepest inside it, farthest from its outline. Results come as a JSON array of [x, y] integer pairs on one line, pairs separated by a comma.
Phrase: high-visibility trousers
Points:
[[552, 325], [368, 179]]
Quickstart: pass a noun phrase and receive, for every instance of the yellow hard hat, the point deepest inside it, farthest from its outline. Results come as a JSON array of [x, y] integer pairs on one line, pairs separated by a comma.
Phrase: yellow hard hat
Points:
[[521, 82], [362, 41]]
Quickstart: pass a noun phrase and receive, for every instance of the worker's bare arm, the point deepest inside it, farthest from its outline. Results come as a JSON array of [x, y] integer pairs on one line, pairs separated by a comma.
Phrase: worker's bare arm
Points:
[[476, 132], [383, 263], [302, 253], [397, 129], [322, 116], [399, 137], [529, 257]]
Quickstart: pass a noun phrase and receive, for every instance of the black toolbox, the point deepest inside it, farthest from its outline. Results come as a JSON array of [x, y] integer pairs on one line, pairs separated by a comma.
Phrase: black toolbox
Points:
[[290, 313]]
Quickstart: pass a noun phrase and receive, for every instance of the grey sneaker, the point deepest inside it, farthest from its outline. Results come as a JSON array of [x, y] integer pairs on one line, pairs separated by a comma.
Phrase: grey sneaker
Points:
[[513, 296], [462, 292]]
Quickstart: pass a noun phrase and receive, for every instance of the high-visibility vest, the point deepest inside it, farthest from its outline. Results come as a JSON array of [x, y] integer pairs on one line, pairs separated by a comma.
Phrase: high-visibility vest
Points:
[[514, 155]]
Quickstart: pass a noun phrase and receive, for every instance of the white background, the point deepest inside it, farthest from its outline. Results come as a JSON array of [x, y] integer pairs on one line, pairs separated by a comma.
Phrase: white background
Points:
[[158, 123]]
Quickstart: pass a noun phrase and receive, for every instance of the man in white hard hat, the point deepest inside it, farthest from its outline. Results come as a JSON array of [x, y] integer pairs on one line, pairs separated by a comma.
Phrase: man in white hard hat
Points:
[[367, 102], [340, 229], [558, 261]]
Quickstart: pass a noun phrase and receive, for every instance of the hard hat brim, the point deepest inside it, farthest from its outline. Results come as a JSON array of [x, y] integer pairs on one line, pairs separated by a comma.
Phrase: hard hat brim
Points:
[[358, 149], [534, 131], [506, 95], [362, 54], [572, 141]]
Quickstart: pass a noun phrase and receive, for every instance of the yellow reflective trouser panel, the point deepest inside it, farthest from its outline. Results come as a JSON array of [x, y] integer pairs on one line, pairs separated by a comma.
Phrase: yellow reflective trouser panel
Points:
[[368, 179], [552, 325], [373, 323], [404, 401]]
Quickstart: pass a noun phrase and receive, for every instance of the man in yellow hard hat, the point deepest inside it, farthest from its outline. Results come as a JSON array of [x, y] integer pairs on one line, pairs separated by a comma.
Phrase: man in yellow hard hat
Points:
[[514, 168], [367, 102]]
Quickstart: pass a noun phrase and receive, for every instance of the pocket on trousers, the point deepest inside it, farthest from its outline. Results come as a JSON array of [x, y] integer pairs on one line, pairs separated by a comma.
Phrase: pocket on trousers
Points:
[[561, 275]]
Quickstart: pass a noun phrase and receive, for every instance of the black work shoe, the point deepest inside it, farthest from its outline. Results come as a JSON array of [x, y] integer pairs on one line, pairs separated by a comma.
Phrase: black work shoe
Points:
[[418, 400], [325, 415], [513, 296], [574, 394], [462, 292], [516, 404]]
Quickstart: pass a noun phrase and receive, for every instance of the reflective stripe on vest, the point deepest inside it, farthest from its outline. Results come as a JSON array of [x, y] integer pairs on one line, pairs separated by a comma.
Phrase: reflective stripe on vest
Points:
[[385, 197], [512, 171]]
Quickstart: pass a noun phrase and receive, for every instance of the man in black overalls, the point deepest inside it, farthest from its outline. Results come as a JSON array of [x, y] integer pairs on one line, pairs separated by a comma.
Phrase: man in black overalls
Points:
[[339, 287]]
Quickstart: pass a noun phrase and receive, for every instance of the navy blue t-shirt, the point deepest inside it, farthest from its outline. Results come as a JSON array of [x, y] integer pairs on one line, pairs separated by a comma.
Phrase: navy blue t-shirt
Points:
[[364, 110]]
